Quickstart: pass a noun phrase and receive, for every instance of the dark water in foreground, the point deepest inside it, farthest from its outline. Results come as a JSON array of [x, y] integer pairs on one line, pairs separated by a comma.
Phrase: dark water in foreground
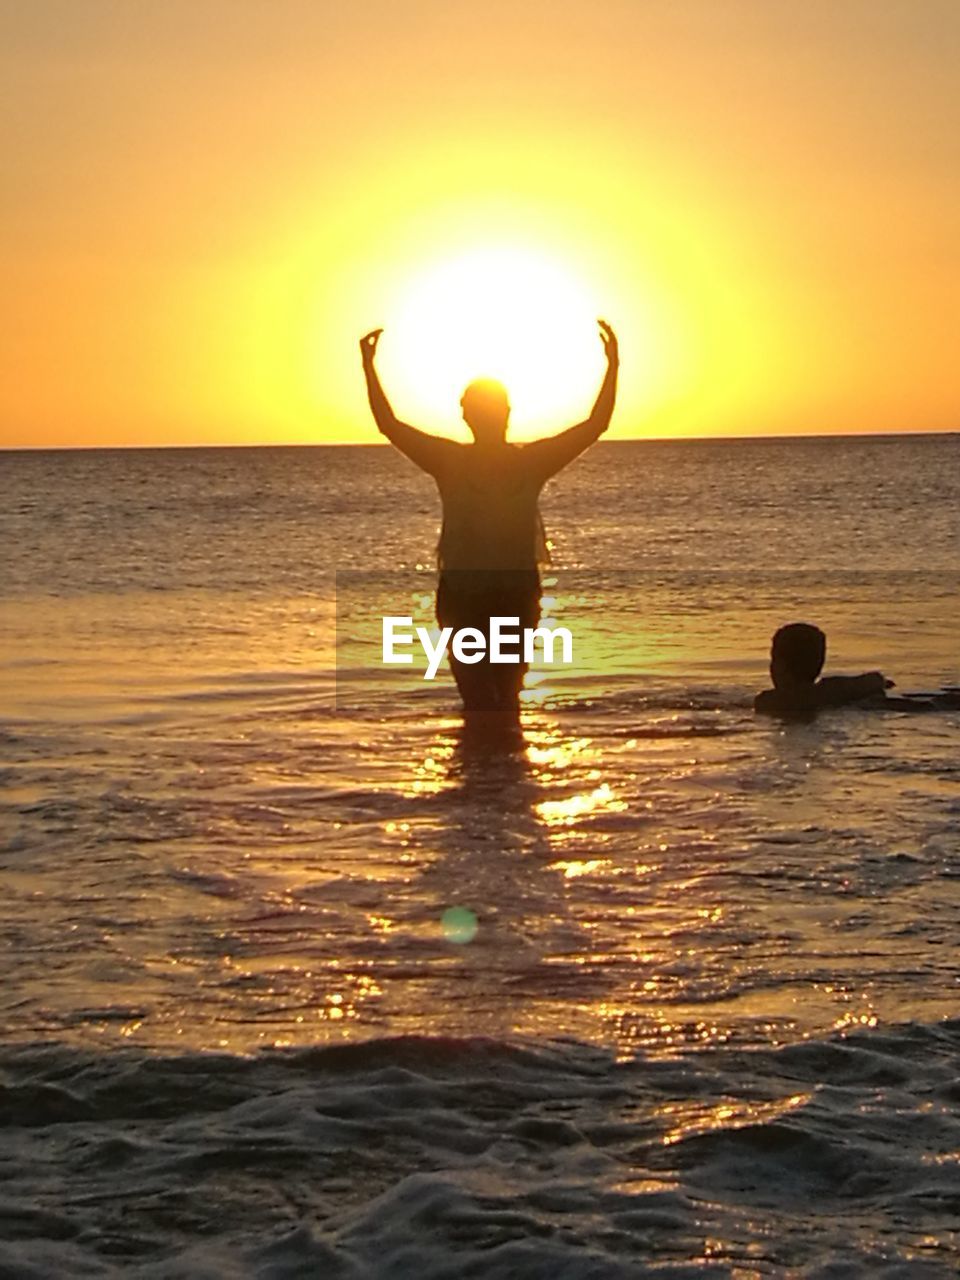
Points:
[[702, 1021]]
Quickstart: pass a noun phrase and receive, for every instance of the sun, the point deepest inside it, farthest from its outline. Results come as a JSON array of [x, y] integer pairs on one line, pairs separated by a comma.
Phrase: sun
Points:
[[503, 311]]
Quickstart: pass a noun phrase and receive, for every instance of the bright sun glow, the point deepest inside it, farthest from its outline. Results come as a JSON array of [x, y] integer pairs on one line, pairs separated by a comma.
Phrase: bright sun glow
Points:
[[501, 312]]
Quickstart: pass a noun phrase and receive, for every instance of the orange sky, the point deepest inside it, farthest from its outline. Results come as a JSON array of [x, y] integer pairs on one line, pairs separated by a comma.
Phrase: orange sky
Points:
[[207, 201]]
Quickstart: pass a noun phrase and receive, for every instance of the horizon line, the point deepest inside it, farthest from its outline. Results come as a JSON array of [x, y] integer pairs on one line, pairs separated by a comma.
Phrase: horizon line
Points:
[[378, 444]]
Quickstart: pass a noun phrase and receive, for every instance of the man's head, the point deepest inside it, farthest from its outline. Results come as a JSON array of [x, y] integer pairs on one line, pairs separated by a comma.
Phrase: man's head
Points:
[[797, 654], [486, 410]]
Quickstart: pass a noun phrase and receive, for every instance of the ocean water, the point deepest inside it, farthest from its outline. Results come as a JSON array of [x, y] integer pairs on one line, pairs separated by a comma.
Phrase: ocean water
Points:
[[302, 980]]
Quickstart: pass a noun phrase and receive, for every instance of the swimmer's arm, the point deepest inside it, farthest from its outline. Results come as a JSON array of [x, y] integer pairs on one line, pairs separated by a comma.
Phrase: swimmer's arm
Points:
[[427, 452], [836, 691], [552, 455]]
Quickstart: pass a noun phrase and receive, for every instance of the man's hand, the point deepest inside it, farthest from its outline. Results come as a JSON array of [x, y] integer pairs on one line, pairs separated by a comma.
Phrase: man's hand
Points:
[[609, 340], [368, 345], [879, 681]]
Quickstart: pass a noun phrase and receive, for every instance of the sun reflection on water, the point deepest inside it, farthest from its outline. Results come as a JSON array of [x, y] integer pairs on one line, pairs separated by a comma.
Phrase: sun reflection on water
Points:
[[685, 1119], [567, 811]]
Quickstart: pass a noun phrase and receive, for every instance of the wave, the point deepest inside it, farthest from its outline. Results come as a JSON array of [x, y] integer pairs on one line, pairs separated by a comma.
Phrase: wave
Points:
[[442, 1157]]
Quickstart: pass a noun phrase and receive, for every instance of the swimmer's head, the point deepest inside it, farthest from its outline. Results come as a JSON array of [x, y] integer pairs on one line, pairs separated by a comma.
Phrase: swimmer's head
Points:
[[486, 410], [797, 654]]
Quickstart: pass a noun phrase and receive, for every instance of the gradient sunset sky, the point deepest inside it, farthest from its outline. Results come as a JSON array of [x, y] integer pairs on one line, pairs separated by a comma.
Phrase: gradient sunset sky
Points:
[[206, 202]]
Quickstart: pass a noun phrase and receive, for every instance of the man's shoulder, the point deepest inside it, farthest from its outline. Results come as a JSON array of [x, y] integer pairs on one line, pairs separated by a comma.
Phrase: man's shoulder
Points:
[[449, 457]]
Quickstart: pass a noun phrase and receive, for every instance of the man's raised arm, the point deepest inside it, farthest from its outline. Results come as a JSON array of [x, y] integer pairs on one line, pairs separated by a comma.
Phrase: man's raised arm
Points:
[[552, 455], [428, 452]]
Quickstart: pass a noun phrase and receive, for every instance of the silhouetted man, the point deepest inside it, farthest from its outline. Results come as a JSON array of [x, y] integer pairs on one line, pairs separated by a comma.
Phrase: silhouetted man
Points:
[[492, 541]]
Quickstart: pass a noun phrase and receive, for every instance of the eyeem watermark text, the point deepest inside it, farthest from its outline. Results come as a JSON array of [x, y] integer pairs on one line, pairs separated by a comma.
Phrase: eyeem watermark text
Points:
[[508, 643]]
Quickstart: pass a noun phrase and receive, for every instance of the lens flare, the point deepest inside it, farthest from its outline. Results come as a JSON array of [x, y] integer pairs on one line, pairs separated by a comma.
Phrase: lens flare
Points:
[[459, 925]]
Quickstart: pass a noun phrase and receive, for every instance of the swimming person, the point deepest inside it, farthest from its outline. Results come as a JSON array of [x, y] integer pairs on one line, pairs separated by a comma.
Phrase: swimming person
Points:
[[797, 655], [491, 541]]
